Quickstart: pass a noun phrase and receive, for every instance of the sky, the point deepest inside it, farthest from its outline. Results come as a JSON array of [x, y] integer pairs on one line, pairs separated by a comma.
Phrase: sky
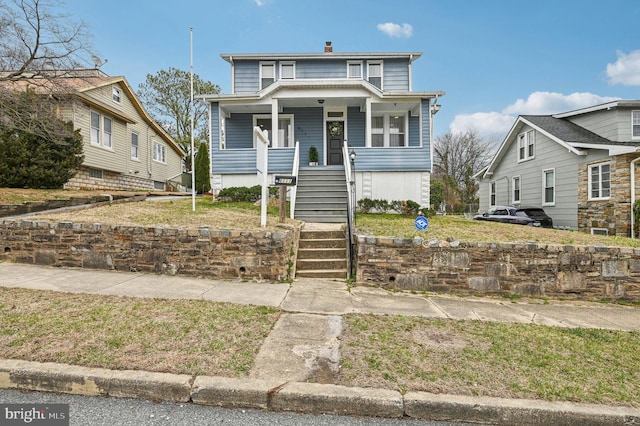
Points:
[[495, 59]]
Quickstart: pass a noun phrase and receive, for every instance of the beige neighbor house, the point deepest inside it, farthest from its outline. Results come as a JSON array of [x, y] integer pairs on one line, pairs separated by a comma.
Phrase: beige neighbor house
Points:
[[124, 148]]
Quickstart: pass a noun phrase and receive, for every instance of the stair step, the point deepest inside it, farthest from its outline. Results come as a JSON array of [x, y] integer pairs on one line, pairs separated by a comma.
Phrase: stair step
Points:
[[322, 253], [309, 243], [323, 273], [306, 264]]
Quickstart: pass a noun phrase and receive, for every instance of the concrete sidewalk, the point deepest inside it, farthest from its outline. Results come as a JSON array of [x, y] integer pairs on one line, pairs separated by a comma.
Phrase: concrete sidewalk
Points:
[[304, 346]]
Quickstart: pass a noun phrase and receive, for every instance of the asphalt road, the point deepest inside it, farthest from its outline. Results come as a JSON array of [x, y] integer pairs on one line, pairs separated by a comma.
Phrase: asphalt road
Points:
[[97, 411]]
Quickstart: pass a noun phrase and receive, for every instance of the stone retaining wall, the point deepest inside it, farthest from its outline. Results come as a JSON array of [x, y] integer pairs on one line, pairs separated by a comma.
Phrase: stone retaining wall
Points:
[[197, 252], [547, 270]]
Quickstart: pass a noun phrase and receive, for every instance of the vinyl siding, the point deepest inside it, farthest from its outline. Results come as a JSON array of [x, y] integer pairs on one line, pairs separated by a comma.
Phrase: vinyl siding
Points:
[[396, 75], [614, 124], [330, 69], [246, 75], [356, 122]]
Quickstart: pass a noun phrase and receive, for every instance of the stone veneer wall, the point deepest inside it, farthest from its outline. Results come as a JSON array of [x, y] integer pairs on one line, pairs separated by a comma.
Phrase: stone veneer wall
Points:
[[110, 181], [547, 270], [198, 252], [613, 214]]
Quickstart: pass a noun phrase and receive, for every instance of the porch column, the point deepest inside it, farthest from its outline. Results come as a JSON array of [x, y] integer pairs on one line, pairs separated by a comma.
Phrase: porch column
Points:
[[274, 123], [367, 123]]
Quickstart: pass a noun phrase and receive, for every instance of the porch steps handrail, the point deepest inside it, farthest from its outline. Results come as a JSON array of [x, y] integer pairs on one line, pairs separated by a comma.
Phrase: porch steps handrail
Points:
[[350, 208], [294, 188]]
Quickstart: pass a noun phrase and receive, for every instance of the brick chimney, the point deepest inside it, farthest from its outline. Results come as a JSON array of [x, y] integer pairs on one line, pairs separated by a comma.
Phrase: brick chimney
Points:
[[327, 47]]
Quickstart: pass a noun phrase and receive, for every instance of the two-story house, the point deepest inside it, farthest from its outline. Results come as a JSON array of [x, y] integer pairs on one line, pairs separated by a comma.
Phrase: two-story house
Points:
[[580, 166], [124, 148], [361, 104]]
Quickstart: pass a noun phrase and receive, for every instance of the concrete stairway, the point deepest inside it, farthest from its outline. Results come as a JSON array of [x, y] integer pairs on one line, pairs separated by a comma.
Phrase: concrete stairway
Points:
[[322, 195], [322, 252]]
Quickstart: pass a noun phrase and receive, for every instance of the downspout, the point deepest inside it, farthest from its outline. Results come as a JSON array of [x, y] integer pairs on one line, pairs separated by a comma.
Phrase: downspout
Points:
[[632, 167]]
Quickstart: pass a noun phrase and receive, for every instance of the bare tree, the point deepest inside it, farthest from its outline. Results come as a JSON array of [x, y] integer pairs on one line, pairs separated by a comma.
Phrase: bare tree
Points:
[[457, 157], [167, 96], [37, 39]]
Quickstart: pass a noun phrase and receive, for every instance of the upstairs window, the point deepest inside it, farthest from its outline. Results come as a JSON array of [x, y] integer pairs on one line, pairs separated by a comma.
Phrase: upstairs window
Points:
[[287, 70], [375, 74], [354, 70], [267, 74], [116, 95], [635, 124], [599, 181], [526, 145]]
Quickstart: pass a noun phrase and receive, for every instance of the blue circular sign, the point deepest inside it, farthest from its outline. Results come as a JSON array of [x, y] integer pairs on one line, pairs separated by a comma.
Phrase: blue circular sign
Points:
[[422, 223]]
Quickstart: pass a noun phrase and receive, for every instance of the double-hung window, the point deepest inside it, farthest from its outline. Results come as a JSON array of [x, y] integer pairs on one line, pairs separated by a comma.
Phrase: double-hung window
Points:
[[549, 187], [159, 153], [388, 130], [374, 74], [635, 124], [135, 148], [267, 74], [492, 194], [516, 189], [287, 70], [599, 181], [526, 145], [354, 69], [116, 94], [101, 130]]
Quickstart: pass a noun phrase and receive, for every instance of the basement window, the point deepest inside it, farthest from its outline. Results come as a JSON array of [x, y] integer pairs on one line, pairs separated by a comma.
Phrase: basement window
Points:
[[599, 231]]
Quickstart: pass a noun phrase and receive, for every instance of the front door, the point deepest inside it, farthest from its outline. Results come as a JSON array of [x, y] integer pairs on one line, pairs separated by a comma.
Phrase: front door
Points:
[[335, 139]]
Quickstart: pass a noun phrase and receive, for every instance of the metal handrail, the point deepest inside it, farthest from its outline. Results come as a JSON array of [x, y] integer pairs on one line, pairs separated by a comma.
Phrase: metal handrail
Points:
[[349, 179]]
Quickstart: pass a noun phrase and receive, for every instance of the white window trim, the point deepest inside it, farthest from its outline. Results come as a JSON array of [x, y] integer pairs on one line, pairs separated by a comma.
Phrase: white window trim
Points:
[[138, 140], [291, 143], [386, 129], [493, 196], [163, 151], [544, 182], [638, 113], [116, 93], [286, 63], [359, 77], [381, 63], [525, 138], [101, 132], [590, 181], [513, 189], [108, 146], [602, 231], [262, 64]]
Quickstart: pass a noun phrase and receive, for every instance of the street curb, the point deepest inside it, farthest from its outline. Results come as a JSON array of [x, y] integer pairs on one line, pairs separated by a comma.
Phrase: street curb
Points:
[[303, 397]]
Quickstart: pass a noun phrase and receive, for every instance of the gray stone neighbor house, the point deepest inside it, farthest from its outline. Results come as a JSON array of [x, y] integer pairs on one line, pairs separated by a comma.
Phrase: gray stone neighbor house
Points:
[[580, 166]]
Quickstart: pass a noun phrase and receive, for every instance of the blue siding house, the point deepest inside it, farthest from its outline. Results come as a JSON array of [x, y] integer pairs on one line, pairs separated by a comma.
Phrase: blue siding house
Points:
[[340, 103]]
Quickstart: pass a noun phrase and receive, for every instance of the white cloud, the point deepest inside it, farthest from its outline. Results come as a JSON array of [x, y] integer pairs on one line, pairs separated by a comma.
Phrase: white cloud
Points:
[[396, 30], [489, 124], [260, 2], [626, 70]]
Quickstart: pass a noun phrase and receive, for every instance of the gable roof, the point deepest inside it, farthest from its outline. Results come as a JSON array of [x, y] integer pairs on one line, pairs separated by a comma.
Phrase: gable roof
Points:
[[574, 138], [81, 87]]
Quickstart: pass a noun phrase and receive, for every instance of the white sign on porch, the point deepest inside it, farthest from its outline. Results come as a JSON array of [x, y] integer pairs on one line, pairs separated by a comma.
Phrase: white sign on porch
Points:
[[262, 166]]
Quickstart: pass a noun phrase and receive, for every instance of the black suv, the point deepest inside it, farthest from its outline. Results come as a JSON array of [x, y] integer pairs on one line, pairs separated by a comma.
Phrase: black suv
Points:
[[532, 216]]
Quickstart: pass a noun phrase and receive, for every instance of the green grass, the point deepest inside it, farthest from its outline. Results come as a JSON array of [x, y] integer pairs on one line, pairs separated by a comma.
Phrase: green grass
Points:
[[491, 359]]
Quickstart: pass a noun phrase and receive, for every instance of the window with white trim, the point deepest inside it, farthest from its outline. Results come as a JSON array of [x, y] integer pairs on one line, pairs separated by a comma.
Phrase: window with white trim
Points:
[[267, 74], [599, 181], [492, 194], [159, 153], [526, 145], [516, 189], [388, 130], [287, 70], [116, 95], [354, 69], [107, 140], [635, 124], [101, 130], [549, 187], [285, 129], [374, 74], [135, 147]]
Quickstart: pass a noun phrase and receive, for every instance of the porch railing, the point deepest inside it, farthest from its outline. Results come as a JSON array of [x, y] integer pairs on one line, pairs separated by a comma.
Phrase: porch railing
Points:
[[351, 206], [293, 189]]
